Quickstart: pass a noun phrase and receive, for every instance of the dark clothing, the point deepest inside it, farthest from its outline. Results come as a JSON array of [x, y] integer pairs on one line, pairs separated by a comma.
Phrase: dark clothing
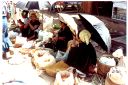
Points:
[[67, 34], [82, 57], [33, 32], [61, 44], [28, 32], [24, 31]]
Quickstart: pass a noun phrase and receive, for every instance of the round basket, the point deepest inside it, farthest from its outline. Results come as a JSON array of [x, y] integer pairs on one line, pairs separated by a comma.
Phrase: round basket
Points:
[[53, 69], [117, 76], [109, 82], [17, 45], [51, 72], [103, 69]]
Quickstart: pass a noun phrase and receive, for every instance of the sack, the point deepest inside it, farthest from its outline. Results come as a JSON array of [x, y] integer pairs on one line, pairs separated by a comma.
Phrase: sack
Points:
[[102, 66], [62, 55], [64, 78], [117, 76]]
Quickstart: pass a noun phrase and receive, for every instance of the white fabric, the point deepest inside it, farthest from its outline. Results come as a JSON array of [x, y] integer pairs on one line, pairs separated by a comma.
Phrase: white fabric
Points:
[[4, 9], [62, 55], [100, 27], [44, 35], [120, 4], [67, 81], [47, 22], [67, 19]]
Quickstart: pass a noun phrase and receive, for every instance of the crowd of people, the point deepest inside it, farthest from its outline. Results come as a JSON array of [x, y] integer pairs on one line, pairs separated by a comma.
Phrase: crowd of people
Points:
[[81, 55]]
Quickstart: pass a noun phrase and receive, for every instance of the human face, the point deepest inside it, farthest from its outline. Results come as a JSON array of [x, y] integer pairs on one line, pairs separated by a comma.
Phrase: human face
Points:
[[62, 25], [33, 17]]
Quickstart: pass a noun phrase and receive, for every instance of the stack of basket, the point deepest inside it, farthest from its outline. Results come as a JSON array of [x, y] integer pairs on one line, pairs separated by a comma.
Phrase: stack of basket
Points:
[[117, 76], [104, 64]]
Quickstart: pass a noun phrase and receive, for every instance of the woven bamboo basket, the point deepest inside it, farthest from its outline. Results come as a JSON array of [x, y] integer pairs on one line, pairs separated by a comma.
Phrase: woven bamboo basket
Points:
[[17, 45], [103, 69], [53, 69], [108, 81], [117, 76]]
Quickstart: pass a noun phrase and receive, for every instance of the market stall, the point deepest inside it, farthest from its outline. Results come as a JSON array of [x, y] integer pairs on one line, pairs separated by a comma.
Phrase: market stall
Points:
[[52, 71]]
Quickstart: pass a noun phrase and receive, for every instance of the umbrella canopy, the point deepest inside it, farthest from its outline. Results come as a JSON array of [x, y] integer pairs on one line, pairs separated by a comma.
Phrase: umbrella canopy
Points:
[[21, 4], [30, 5], [100, 33], [40, 5], [67, 19]]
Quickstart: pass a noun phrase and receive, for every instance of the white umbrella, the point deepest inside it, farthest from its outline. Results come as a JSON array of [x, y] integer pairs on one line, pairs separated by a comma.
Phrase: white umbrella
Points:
[[100, 33], [67, 19]]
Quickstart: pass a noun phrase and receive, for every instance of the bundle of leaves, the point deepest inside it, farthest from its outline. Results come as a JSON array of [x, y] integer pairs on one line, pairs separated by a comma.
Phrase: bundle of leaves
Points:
[[56, 26]]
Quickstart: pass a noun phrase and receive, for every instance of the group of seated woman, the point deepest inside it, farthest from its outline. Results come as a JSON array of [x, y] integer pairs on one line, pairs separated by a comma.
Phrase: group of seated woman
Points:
[[81, 56], [29, 26], [60, 40]]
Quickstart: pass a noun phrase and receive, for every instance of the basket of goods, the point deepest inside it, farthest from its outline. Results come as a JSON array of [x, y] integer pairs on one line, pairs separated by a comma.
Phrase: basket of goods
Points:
[[53, 69], [12, 35], [28, 44], [19, 41], [42, 59], [79, 77], [17, 45], [64, 78], [104, 63], [27, 51], [117, 76]]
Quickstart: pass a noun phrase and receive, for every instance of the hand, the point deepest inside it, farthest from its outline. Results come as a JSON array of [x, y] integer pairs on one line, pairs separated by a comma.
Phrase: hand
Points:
[[54, 38], [28, 22], [19, 21]]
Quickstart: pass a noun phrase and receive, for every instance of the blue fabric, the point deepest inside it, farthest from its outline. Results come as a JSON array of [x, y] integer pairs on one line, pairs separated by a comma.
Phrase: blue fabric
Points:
[[6, 41]]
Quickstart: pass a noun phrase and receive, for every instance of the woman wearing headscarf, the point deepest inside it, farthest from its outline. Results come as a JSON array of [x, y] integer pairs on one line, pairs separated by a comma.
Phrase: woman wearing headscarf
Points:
[[23, 24], [33, 24], [82, 54], [59, 42]]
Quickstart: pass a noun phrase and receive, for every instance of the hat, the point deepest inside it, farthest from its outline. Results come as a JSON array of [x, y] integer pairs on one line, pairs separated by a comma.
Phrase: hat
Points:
[[24, 13], [85, 36]]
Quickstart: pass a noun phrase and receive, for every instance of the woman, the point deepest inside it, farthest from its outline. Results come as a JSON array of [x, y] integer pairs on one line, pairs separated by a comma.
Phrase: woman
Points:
[[23, 24], [32, 25], [59, 42], [82, 54]]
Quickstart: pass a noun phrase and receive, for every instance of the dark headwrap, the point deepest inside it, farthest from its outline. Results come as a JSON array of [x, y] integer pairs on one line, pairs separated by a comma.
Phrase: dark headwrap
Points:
[[25, 13]]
